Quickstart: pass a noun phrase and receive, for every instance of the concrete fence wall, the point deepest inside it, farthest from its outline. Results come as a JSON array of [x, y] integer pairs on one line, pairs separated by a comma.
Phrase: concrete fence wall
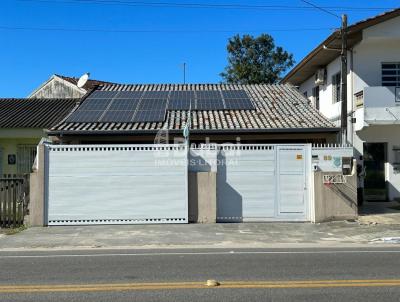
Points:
[[335, 201], [331, 202]]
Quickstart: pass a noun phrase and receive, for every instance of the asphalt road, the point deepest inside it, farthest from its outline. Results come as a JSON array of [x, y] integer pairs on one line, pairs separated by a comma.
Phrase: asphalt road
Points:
[[179, 275]]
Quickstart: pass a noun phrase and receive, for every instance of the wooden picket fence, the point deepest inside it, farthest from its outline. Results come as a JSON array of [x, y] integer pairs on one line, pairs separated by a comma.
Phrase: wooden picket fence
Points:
[[14, 198]]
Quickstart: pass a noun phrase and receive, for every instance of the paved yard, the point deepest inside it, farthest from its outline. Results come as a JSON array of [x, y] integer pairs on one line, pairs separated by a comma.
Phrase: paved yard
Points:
[[248, 235]]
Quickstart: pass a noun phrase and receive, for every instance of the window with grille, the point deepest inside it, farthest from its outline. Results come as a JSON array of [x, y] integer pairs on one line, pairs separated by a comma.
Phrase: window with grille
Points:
[[391, 74], [316, 97], [25, 157], [336, 88]]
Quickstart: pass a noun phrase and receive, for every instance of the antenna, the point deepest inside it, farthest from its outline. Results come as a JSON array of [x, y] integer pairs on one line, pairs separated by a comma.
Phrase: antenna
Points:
[[83, 79], [184, 73]]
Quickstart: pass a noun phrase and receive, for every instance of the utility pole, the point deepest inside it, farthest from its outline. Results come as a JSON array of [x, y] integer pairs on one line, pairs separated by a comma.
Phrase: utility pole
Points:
[[343, 80], [184, 73]]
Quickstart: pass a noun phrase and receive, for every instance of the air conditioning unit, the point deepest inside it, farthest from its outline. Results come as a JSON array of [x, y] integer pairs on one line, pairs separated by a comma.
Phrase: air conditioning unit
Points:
[[320, 76]]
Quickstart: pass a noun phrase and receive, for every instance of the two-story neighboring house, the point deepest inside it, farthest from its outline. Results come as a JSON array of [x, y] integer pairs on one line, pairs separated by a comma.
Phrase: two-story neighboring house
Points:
[[373, 96]]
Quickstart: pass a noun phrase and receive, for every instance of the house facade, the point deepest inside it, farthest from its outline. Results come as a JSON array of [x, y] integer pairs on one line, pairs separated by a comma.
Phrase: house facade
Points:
[[22, 124], [23, 121], [373, 97], [120, 157]]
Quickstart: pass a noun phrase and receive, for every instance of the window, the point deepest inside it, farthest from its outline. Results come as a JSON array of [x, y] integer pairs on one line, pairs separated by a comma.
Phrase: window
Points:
[[305, 94], [336, 88], [396, 162], [315, 93], [25, 157], [391, 74], [1, 161]]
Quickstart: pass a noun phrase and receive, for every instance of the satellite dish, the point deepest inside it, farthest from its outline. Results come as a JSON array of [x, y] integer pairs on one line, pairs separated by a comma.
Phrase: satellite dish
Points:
[[83, 79]]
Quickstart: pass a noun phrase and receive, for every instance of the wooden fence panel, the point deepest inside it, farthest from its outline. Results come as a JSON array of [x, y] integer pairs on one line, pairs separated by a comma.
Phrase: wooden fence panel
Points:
[[14, 194]]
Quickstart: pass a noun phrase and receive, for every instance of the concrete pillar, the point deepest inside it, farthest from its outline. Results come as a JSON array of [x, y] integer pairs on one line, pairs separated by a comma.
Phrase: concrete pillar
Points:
[[37, 191], [203, 197]]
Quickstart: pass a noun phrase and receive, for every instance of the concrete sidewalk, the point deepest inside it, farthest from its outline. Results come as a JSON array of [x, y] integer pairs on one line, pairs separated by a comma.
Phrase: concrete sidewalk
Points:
[[245, 235]]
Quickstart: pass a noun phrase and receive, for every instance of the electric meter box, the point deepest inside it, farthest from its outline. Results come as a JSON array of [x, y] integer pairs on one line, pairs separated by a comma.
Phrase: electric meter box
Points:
[[347, 165], [333, 159]]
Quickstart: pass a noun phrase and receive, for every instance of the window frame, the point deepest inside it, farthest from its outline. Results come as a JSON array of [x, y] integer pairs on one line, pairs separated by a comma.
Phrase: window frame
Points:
[[26, 154], [336, 87], [390, 72], [316, 96]]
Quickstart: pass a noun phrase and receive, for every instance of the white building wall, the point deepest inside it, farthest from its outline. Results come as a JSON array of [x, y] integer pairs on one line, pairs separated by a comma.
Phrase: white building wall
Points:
[[327, 107], [380, 43], [368, 57]]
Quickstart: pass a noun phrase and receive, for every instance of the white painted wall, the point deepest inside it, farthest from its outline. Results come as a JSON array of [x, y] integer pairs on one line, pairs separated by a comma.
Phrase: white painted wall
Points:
[[327, 107], [56, 87]]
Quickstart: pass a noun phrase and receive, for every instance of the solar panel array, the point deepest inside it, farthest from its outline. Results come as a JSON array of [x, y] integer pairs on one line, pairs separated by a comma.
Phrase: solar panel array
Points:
[[151, 106]]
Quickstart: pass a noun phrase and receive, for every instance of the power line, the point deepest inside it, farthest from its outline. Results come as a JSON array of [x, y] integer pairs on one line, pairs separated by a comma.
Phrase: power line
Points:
[[103, 30], [208, 5], [321, 9]]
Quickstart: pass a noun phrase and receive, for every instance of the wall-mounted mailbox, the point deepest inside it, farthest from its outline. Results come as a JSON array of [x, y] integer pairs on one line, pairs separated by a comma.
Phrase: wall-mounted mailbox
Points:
[[347, 165]]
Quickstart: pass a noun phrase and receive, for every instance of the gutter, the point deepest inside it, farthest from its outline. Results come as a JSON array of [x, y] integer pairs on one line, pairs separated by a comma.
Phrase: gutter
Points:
[[194, 131]]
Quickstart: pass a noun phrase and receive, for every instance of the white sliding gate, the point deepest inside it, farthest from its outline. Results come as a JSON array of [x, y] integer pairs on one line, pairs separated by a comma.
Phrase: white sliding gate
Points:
[[116, 184], [263, 182]]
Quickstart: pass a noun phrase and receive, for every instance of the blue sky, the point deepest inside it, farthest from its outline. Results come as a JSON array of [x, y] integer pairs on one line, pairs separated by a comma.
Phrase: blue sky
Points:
[[158, 41]]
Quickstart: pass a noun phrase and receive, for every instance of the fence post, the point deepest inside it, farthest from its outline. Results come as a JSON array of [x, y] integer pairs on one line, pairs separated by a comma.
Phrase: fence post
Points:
[[2, 203], [37, 191]]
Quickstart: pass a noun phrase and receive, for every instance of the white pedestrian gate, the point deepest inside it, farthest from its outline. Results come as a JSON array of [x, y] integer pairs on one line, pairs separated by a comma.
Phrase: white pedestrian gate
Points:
[[116, 184], [263, 182]]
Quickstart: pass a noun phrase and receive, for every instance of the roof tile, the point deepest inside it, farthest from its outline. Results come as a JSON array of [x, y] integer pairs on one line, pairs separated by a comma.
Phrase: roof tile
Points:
[[277, 106], [34, 113]]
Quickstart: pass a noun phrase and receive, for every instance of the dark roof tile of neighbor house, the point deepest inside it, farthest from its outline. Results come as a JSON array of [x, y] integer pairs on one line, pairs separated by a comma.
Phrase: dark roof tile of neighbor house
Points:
[[34, 113], [277, 108]]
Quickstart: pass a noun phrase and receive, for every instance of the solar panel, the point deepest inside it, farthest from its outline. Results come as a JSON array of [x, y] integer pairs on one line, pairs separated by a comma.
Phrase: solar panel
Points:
[[182, 95], [153, 104], [239, 104], [95, 104], [129, 95], [85, 116], [208, 94], [155, 95], [124, 104], [234, 94], [180, 104], [117, 116], [180, 100], [149, 116], [210, 104], [99, 94]]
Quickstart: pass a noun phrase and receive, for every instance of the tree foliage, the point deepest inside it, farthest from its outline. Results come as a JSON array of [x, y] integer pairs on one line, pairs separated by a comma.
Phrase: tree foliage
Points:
[[255, 60]]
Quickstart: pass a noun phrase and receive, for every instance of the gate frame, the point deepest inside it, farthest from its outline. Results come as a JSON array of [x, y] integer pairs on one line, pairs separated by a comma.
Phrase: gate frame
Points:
[[309, 184], [309, 190]]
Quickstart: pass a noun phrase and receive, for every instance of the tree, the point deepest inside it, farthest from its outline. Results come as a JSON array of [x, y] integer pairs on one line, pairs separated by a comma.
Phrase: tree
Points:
[[255, 60]]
